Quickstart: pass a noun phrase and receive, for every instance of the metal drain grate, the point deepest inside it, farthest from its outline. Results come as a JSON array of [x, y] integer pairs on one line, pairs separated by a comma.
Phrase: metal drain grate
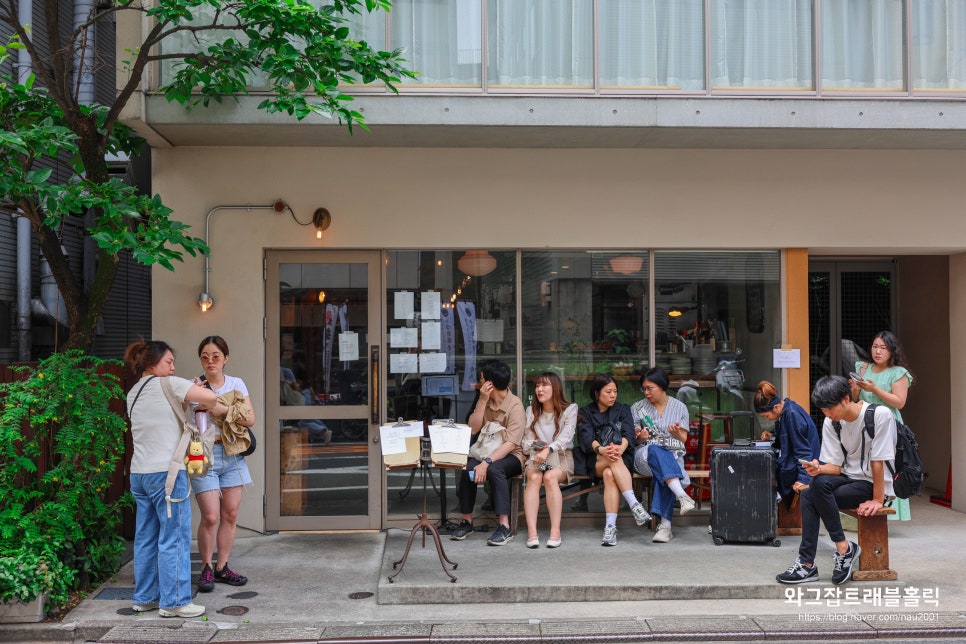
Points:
[[116, 594], [234, 611]]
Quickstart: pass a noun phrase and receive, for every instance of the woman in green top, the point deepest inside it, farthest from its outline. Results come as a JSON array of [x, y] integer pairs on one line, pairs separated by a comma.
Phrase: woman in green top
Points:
[[885, 381]]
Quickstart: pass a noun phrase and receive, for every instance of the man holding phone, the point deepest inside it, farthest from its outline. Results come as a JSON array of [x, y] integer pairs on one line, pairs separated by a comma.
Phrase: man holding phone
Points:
[[850, 473]]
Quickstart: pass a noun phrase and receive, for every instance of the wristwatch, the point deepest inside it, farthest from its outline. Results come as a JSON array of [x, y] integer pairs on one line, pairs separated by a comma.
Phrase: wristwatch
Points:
[[487, 460], [550, 447]]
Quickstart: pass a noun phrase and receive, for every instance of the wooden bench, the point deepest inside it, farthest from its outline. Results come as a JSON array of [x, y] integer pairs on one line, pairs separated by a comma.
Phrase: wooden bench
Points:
[[699, 479], [874, 541]]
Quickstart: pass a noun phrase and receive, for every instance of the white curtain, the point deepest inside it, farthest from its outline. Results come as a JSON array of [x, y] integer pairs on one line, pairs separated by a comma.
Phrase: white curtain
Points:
[[938, 41], [862, 44], [540, 43], [761, 44], [442, 40], [652, 44]]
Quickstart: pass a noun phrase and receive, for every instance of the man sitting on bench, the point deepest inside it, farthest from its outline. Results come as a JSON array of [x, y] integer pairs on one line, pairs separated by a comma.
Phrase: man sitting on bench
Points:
[[849, 473]]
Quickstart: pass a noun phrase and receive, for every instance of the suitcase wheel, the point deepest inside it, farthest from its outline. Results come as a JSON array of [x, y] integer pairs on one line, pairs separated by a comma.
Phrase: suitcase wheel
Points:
[[718, 541], [776, 543]]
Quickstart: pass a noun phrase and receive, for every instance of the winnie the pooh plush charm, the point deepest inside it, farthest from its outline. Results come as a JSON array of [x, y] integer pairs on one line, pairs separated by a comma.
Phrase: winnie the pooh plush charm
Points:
[[196, 460]]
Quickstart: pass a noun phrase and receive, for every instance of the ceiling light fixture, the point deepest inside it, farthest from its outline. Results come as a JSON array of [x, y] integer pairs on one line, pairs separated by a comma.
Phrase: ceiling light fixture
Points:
[[626, 264], [476, 263]]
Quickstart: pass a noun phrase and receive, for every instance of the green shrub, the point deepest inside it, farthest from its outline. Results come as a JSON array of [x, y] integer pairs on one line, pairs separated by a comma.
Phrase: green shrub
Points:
[[59, 447]]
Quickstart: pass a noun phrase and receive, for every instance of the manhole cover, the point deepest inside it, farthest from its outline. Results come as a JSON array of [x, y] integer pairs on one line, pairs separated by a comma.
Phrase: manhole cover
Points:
[[360, 595], [234, 610], [246, 594]]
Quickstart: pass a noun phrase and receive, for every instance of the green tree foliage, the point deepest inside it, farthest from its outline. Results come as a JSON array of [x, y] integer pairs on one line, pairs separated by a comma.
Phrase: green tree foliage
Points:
[[59, 447], [302, 52]]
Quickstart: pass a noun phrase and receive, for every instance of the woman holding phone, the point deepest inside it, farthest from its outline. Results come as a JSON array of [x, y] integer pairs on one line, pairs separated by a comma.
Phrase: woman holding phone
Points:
[[885, 381], [794, 435], [661, 427]]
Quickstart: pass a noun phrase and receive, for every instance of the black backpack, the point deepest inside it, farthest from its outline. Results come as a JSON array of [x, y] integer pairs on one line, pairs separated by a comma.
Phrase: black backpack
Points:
[[908, 477]]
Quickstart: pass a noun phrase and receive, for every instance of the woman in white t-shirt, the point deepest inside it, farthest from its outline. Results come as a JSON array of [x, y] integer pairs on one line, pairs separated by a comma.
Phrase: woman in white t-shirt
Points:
[[162, 542], [219, 493], [549, 441]]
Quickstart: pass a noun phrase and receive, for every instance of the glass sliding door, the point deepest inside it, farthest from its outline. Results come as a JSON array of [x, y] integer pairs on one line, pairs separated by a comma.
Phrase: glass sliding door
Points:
[[323, 348], [849, 303]]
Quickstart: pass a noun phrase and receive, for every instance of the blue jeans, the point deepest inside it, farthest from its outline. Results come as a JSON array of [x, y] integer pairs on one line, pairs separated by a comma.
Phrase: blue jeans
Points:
[[822, 499], [162, 546], [663, 466]]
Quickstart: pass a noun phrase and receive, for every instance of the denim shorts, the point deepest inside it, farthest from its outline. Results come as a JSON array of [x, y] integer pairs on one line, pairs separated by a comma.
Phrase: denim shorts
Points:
[[225, 471]]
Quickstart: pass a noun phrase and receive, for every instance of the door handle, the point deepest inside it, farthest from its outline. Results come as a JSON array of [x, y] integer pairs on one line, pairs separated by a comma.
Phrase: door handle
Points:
[[374, 404]]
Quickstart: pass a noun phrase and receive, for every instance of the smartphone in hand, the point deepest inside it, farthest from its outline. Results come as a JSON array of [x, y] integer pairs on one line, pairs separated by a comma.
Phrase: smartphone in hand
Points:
[[804, 462], [855, 377]]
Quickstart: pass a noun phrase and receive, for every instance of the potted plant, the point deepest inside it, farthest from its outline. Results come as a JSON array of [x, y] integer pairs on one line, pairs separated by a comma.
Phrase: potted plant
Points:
[[29, 575]]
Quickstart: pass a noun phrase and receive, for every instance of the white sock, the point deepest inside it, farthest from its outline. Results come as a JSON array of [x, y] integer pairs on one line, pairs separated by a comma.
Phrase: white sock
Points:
[[675, 486], [610, 519], [665, 522], [630, 498]]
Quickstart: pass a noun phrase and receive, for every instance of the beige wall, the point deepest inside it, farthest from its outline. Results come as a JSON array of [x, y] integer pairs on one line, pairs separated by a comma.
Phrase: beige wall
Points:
[[841, 202], [957, 376], [924, 331]]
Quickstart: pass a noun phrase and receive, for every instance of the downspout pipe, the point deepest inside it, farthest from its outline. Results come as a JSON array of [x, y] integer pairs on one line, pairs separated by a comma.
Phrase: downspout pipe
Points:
[[24, 233]]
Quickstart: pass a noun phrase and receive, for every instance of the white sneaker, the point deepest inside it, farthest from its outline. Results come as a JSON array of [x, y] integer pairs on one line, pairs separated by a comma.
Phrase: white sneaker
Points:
[[188, 610], [640, 514], [143, 608], [663, 534], [687, 504], [610, 536]]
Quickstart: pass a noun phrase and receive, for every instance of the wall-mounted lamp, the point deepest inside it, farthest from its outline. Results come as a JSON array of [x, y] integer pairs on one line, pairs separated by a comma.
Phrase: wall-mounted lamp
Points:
[[205, 300], [321, 297], [476, 263], [321, 219]]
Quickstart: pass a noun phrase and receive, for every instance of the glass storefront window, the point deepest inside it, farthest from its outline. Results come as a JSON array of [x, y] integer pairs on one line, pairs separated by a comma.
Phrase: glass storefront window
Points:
[[446, 312], [717, 321], [584, 312]]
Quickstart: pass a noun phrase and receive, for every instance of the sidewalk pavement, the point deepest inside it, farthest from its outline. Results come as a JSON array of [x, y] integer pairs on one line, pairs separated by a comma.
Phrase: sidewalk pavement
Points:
[[333, 587]]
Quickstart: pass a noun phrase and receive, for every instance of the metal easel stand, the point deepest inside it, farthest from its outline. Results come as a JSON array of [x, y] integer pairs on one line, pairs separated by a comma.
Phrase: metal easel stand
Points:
[[424, 525]]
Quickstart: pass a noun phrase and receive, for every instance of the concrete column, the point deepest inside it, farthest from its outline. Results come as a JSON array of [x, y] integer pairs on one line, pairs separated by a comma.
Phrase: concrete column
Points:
[[957, 377]]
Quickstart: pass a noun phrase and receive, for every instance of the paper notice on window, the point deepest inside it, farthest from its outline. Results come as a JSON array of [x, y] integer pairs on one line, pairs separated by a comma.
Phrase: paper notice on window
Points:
[[787, 358], [348, 346], [429, 305], [431, 336], [403, 363], [432, 362], [404, 302], [489, 330], [403, 338], [452, 440]]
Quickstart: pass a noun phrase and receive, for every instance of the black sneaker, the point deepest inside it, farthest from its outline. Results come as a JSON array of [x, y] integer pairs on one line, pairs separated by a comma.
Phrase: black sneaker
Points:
[[206, 581], [463, 530], [845, 563], [798, 573], [500, 537], [228, 576]]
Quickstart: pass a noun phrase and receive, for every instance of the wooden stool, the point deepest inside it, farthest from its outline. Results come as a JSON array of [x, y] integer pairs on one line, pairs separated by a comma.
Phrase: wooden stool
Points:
[[874, 541], [790, 516]]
